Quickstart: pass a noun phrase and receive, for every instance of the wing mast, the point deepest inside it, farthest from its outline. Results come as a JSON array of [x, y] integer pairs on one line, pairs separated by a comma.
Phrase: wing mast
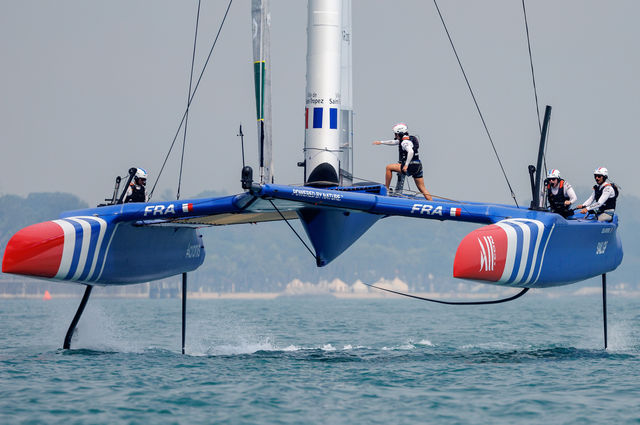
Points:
[[322, 137], [261, 26]]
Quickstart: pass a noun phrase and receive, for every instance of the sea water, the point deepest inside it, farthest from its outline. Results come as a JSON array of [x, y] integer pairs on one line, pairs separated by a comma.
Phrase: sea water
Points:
[[317, 360]]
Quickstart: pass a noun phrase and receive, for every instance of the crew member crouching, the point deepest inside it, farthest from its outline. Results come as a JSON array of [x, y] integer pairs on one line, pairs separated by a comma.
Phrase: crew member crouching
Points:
[[136, 191], [560, 194], [602, 201], [408, 159]]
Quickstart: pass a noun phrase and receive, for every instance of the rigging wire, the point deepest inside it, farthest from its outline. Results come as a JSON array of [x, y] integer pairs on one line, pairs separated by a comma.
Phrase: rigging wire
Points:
[[195, 89], [533, 78], [503, 300], [518, 295], [186, 121], [476, 102], [294, 230]]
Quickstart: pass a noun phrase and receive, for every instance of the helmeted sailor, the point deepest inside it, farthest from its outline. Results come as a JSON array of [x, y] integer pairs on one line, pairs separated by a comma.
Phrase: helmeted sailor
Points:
[[560, 194], [136, 191], [408, 159], [602, 201]]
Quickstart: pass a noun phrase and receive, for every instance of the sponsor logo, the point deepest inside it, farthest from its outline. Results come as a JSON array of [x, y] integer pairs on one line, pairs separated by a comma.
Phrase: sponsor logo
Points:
[[601, 247], [426, 209], [328, 196], [193, 251], [487, 253]]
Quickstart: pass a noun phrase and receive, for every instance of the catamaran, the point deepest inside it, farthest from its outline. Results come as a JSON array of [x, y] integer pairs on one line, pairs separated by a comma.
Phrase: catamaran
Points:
[[515, 246]]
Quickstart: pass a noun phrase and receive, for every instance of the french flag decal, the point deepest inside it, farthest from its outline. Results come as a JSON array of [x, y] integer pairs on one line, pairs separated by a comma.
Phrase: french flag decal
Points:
[[455, 212], [317, 117], [333, 118], [187, 208]]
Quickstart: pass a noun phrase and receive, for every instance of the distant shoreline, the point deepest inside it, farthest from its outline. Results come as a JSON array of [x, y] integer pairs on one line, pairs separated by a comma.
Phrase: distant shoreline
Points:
[[548, 293]]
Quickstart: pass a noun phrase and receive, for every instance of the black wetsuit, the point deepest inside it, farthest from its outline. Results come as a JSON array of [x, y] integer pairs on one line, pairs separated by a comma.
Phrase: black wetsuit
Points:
[[556, 202], [137, 194], [609, 204], [414, 168]]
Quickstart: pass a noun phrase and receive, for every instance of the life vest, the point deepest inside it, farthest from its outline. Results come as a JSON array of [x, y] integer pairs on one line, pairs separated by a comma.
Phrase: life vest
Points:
[[137, 194], [402, 154], [609, 204], [556, 202]]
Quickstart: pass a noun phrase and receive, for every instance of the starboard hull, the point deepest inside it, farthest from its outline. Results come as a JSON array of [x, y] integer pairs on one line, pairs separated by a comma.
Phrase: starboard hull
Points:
[[540, 253]]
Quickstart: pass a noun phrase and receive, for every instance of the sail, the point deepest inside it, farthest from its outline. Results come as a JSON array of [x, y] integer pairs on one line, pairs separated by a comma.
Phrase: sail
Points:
[[261, 26], [346, 96]]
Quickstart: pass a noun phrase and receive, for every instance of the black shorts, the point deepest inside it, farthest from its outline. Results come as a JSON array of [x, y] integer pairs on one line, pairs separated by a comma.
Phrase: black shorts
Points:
[[415, 170]]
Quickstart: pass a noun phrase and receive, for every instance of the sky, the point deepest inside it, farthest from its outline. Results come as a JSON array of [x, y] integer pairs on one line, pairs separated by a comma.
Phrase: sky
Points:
[[89, 89]]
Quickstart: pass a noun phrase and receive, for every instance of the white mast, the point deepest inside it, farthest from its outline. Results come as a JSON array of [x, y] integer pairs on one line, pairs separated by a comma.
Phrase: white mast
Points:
[[323, 102], [261, 25]]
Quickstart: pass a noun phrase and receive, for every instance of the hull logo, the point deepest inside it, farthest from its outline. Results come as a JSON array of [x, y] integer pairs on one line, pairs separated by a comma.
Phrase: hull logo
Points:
[[426, 209], [601, 248], [164, 210], [487, 253]]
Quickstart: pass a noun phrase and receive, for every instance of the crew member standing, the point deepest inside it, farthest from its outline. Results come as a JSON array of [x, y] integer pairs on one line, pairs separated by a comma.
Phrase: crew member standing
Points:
[[408, 160], [560, 194], [602, 201], [136, 191]]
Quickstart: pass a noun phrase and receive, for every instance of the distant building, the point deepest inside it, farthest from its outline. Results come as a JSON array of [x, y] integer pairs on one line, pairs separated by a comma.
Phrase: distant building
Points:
[[338, 285], [359, 288], [395, 285]]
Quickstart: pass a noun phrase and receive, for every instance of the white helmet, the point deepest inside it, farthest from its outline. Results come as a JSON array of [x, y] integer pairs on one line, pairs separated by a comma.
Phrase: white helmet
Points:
[[553, 174], [400, 128], [601, 171], [141, 173]]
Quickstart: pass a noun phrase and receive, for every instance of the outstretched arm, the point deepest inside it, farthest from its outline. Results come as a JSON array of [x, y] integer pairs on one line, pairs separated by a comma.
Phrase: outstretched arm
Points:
[[585, 204]]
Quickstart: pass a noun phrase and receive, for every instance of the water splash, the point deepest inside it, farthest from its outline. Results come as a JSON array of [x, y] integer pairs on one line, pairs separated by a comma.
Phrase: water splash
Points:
[[621, 338], [98, 331]]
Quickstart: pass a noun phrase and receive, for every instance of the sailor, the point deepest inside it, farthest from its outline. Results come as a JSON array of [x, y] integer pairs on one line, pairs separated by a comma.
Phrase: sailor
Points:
[[408, 159], [136, 190], [560, 194], [602, 201]]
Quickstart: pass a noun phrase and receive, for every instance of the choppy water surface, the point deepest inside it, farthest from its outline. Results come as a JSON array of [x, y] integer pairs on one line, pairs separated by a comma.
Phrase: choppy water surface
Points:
[[321, 360]]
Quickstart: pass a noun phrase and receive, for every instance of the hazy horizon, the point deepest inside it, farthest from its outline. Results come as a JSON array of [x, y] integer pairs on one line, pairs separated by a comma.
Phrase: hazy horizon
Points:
[[91, 89]]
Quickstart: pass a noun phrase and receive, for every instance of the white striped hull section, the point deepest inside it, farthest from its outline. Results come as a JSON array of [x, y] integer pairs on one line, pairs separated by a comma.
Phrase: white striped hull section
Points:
[[86, 244], [526, 246]]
